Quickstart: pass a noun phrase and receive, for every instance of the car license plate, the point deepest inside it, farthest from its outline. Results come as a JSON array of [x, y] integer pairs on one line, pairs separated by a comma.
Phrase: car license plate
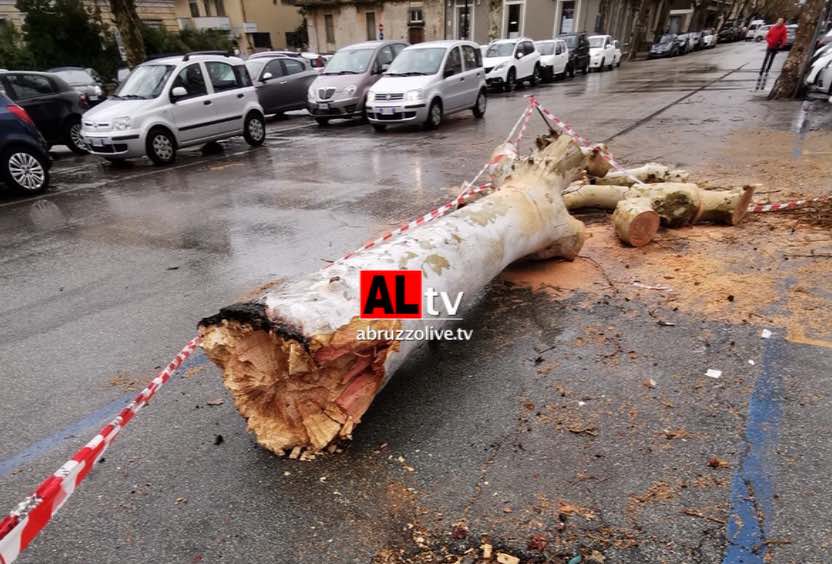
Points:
[[100, 141], [388, 111], [323, 106]]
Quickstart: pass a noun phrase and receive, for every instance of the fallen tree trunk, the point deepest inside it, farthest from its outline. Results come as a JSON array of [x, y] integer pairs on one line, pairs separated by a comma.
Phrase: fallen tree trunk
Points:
[[292, 358], [649, 173]]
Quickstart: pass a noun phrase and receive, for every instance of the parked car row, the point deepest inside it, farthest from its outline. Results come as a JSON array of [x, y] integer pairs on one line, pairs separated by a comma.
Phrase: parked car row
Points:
[[169, 103], [672, 44], [819, 77]]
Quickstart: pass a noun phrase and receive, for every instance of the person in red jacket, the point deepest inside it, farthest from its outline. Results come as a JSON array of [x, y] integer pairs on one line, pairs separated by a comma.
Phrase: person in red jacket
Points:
[[776, 38]]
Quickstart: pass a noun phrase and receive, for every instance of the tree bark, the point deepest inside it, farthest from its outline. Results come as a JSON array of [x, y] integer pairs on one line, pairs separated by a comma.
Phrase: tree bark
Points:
[[637, 29], [495, 19], [292, 358], [650, 172], [129, 26], [788, 83]]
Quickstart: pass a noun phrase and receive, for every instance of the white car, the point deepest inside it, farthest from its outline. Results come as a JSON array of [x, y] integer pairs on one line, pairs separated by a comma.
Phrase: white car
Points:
[[761, 32], [618, 55], [601, 52], [511, 61], [753, 29], [708, 39], [174, 102], [426, 82], [819, 78], [554, 56]]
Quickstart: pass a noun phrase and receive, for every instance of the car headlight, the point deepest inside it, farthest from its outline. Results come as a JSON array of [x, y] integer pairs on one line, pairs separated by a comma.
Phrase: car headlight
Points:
[[121, 123], [501, 66], [349, 90], [371, 96], [310, 94], [414, 95]]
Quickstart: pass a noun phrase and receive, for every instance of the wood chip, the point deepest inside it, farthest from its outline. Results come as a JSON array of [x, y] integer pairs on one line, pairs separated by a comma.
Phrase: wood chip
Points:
[[504, 558]]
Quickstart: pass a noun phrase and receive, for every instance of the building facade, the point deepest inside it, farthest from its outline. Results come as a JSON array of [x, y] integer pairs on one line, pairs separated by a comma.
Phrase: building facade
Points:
[[156, 13], [256, 25]]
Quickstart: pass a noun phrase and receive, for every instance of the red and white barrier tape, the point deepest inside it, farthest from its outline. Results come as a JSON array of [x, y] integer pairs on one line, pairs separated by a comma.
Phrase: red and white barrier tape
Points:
[[790, 205], [23, 524]]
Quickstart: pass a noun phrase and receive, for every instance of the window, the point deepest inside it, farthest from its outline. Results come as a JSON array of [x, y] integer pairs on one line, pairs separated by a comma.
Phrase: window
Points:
[[194, 6], [219, 8], [191, 79], [370, 17], [385, 57], [292, 66], [28, 86], [329, 27], [567, 17], [416, 16], [222, 76], [261, 39], [398, 48], [454, 63], [243, 78], [513, 25], [153, 24], [274, 67], [559, 48], [472, 57]]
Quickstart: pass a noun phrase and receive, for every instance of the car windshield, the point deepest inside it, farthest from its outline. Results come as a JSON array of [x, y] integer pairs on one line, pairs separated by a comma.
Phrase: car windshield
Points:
[[350, 61], [545, 47], [500, 50], [145, 82], [255, 67], [76, 76], [417, 61], [570, 41], [596, 41]]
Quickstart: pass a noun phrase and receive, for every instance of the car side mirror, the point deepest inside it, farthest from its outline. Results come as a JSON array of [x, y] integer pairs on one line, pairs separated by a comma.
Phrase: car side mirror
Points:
[[266, 76], [385, 66], [179, 92], [518, 55]]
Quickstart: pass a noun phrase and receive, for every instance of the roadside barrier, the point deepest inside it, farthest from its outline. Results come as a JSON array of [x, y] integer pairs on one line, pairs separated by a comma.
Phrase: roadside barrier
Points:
[[23, 524], [788, 205]]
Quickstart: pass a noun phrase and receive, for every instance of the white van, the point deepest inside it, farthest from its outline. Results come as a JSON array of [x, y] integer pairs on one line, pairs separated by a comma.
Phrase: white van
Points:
[[428, 81]]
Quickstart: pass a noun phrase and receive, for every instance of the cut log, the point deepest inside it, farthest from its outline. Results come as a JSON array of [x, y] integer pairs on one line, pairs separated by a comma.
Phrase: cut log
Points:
[[725, 206], [635, 221], [292, 358], [649, 173]]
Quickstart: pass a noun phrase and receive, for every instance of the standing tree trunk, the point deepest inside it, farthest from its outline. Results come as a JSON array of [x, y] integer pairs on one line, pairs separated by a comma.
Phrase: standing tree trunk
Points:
[[129, 26], [495, 19], [700, 14], [661, 20], [637, 29], [788, 83]]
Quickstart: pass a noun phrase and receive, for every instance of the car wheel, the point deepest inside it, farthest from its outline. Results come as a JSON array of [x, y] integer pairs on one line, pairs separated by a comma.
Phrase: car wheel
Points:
[[323, 122], [434, 115], [73, 137], [161, 146], [254, 129], [24, 171], [570, 70], [479, 107], [511, 78], [535, 78], [380, 127]]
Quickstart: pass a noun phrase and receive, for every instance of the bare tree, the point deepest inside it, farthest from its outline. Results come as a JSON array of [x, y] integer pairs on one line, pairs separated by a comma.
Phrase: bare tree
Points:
[[788, 83], [129, 26], [640, 23]]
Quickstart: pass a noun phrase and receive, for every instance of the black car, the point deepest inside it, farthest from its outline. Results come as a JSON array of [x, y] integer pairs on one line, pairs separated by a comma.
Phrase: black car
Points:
[[86, 81], [666, 46], [683, 43], [54, 106], [24, 155], [578, 46]]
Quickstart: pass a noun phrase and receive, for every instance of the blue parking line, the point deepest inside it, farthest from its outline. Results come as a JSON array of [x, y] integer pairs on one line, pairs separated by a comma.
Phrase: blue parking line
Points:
[[94, 420], [752, 486]]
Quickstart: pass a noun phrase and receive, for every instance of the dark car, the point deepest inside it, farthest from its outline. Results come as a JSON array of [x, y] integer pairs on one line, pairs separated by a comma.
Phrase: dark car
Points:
[[24, 155], [683, 43], [578, 45], [728, 32], [86, 81], [54, 106], [282, 82], [666, 46]]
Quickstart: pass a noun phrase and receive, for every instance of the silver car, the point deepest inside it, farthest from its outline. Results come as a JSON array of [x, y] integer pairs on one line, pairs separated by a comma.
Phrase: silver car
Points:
[[281, 81], [341, 90], [427, 82]]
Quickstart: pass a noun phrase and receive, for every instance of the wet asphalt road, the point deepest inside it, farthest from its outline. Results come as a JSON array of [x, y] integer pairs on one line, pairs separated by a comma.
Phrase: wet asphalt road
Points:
[[104, 278]]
